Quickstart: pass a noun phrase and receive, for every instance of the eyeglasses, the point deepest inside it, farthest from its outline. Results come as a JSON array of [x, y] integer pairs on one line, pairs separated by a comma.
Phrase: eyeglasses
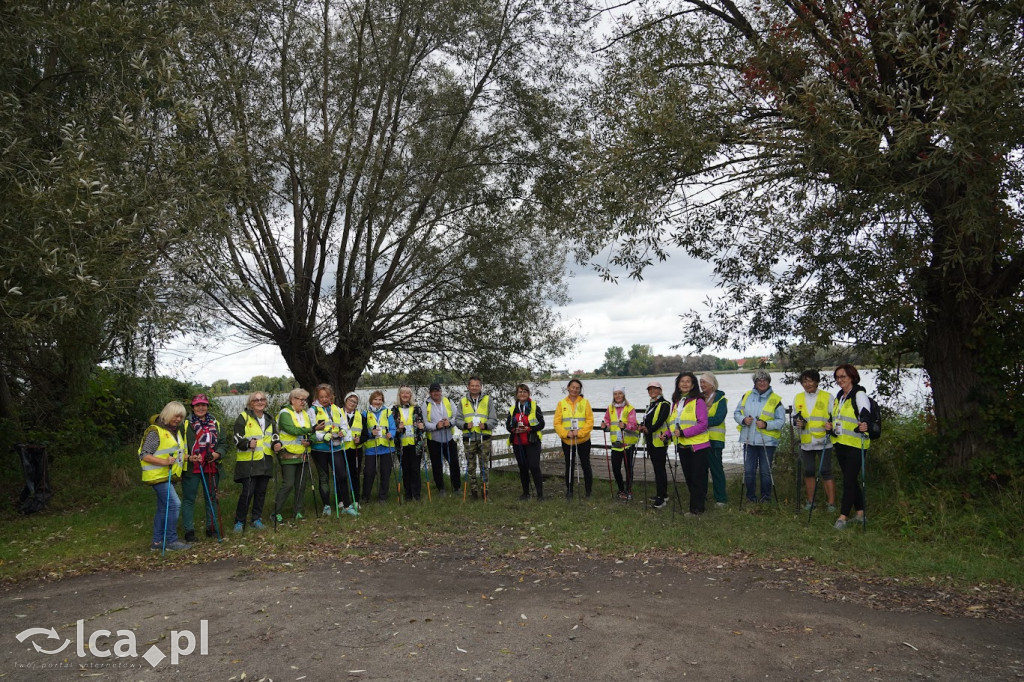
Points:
[[259, 400], [842, 376]]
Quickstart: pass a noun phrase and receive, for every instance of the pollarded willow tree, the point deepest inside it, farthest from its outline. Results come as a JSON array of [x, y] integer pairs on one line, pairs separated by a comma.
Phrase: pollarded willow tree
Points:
[[853, 169], [379, 161]]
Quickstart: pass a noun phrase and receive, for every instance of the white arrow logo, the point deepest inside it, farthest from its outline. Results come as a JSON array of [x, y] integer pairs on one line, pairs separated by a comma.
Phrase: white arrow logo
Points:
[[50, 634]]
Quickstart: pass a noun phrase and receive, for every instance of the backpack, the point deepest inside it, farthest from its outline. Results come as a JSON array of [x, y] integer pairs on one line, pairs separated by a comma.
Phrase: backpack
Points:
[[873, 416]]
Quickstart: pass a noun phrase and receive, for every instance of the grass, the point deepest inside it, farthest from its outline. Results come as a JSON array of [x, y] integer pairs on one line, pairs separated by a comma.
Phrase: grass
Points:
[[108, 524]]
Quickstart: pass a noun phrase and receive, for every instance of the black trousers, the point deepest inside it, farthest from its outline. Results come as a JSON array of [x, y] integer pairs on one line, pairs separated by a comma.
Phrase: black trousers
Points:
[[695, 471], [254, 491], [448, 452], [582, 452], [617, 458], [355, 468], [340, 483], [659, 456], [849, 462], [371, 464], [412, 484], [528, 459]]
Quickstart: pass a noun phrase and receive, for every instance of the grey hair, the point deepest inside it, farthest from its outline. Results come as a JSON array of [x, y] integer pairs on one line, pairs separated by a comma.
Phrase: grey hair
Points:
[[762, 374], [710, 378]]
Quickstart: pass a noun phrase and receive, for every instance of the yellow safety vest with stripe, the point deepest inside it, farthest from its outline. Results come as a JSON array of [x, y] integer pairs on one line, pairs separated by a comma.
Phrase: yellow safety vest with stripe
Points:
[[662, 436], [384, 441], [530, 418], [264, 438], [816, 416], [293, 444], [171, 445], [845, 421], [353, 429], [479, 412], [767, 414], [716, 433], [617, 426], [331, 417], [407, 416], [683, 416], [571, 412]]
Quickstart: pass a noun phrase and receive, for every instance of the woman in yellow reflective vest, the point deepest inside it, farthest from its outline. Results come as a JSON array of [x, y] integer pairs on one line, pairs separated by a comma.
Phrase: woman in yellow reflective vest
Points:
[[161, 455], [760, 417], [256, 440], [297, 432], [718, 410], [849, 437], [688, 422], [408, 419], [525, 425], [620, 421], [810, 414], [574, 420]]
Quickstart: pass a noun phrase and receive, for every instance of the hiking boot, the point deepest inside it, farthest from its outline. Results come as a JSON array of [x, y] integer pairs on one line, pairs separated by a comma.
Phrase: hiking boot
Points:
[[524, 497], [190, 535], [278, 518], [258, 525], [175, 546], [720, 504], [299, 516], [659, 503], [327, 510], [840, 524], [350, 510], [238, 527], [622, 495]]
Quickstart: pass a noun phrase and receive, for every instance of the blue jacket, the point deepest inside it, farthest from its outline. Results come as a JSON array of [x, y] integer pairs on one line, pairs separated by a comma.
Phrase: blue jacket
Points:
[[754, 406]]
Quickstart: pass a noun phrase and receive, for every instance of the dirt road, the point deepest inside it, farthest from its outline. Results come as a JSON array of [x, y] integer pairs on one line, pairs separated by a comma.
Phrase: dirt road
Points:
[[451, 614]]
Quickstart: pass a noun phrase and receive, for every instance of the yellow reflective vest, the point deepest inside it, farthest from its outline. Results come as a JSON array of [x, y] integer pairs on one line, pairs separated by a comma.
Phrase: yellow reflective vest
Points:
[[845, 420], [617, 421], [264, 438], [406, 416], [479, 412], [293, 444], [716, 433], [171, 445], [767, 414], [683, 416], [816, 416]]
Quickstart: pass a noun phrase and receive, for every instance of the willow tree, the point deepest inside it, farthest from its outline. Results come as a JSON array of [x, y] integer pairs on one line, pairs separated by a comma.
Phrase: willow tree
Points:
[[853, 170], [379, 161], [95, 196]]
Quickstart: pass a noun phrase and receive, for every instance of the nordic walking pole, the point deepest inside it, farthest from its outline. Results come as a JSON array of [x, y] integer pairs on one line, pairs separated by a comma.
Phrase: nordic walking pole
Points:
[[796, 460], [484, 463], [167, 509], [675, 485], [334, 479], [864, 486], [608, 462], [398, 474], [817, 477], [647, 501], [209, 501]]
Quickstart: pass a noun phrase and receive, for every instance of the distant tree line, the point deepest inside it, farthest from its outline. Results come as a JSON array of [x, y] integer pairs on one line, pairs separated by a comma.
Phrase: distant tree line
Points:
[[641, 360]]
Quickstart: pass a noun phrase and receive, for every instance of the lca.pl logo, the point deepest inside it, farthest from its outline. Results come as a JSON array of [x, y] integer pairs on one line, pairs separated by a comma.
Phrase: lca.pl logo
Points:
[[183, 643]]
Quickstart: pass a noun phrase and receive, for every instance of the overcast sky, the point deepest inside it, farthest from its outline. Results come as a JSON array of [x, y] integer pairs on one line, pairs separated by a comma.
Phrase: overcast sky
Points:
[[606, 314]]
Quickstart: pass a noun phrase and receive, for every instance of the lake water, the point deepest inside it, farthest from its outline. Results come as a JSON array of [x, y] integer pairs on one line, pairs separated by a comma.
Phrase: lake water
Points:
[[599, 392]]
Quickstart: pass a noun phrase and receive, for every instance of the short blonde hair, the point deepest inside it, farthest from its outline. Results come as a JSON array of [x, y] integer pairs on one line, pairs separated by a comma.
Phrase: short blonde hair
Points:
[[171, 410], [252, 398], [298, 393]]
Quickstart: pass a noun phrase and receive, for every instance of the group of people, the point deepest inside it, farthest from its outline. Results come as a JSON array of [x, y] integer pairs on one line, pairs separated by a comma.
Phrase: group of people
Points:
[[341, 451]]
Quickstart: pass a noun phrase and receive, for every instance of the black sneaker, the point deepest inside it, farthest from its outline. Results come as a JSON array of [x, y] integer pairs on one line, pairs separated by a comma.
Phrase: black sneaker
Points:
[[190, 536], [524, 497], [659, 503]]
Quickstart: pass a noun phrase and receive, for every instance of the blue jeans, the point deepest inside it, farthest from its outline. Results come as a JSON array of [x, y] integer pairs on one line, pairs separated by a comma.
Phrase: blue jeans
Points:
[[758, 457], [166, 508]]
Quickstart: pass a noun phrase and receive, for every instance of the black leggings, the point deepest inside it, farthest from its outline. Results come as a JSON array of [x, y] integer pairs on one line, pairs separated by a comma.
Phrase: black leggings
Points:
[[371, 463], [445, 451], [528, 459], [582, 452], [327, 488], [254, 490], [849, 462], [659, 456], [695, 471], [617, 457]]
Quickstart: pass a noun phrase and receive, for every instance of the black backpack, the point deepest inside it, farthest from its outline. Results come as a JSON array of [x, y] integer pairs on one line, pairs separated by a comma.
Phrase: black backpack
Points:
[[873, 416]]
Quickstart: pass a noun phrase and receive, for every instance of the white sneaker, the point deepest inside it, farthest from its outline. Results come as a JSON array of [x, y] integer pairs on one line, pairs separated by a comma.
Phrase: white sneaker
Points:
[[327, 510]]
